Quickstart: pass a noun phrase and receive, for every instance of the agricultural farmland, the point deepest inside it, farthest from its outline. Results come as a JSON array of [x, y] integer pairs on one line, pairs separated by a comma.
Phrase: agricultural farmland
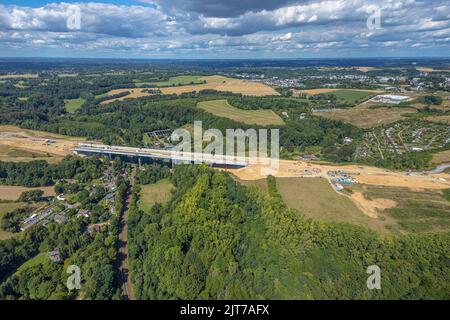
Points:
[[222, 108], [217, 83], [13, 193], [365, 117], [173, 81], [353, 96]]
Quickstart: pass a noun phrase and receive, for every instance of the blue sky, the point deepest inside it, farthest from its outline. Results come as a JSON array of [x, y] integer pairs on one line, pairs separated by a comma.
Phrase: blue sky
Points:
[[225, 29]]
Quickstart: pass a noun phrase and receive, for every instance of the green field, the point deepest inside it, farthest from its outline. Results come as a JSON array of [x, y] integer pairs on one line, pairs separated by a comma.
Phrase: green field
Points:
[[352, 96], [222, 108], [315, 198], [40, 258], [150, 194], [9, 206], [73, 105], [173, 81], [416, 211]]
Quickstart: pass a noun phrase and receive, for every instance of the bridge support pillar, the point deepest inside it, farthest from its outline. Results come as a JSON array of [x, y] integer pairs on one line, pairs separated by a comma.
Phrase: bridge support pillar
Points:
[[140, 162]]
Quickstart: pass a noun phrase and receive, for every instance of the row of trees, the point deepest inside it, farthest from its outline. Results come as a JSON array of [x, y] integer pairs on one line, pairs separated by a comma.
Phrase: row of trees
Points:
[[255, 103]]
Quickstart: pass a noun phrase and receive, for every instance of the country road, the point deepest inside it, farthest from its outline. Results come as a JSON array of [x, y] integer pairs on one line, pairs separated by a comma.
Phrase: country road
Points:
[[124, 270]]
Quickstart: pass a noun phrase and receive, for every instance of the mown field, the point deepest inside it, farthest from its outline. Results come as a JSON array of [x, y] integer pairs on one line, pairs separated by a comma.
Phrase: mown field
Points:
[[13, 192], [173, 81], [352, 96], [315, 198], [151, 194], [222, 108], [73, 105], [365, 117]]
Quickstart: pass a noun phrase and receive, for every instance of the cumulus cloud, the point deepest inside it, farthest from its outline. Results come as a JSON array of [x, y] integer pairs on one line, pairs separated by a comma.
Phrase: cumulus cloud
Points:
[[215, 8], [203, 27], [100, 18]]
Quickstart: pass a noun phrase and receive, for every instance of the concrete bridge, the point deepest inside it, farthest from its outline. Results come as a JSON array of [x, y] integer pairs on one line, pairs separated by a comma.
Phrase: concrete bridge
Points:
[[90, 149]]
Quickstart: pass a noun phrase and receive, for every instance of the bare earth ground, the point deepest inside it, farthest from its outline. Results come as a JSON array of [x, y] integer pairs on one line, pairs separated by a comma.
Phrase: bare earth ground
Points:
[[18, 144], [365, 69], [13, 192], [372, 207], [363, 174], [364, 117], [218, 83]]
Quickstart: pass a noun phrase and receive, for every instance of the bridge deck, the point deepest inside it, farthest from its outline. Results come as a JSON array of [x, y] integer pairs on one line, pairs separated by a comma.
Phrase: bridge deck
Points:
[[161, 154]]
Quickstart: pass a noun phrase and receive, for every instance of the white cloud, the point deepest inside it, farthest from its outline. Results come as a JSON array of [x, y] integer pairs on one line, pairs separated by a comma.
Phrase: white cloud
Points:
[[208, 26]]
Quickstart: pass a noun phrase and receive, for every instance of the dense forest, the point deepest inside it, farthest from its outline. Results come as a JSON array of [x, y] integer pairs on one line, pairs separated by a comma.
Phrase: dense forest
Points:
[[47, 280], [216, 239], [40, 173]]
